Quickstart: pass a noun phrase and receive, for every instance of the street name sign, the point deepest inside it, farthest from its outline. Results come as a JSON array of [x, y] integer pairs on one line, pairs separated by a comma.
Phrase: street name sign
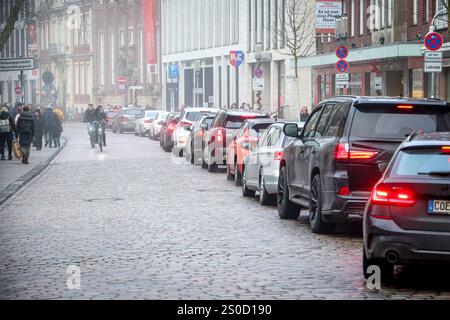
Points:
[[17, 64]]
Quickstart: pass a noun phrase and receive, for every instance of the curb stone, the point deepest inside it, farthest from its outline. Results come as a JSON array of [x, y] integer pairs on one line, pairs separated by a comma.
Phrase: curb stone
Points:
[[14, 186]]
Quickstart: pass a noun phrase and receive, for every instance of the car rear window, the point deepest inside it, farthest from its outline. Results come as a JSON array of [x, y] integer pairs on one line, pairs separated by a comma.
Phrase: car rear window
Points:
[[258, 129], [235, 122], [194, 115], [132, 112], [151, 114], [421, 163], [390, 122]]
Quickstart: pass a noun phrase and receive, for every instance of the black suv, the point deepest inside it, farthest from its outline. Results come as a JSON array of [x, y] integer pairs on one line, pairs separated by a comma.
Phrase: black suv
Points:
[[342, 152]]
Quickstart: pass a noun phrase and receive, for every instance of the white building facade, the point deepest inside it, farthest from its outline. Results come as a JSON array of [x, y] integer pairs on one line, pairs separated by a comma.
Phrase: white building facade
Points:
[[198, 36]]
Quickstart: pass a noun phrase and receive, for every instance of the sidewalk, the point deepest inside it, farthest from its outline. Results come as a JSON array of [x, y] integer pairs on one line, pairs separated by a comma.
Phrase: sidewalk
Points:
[[14, 171]]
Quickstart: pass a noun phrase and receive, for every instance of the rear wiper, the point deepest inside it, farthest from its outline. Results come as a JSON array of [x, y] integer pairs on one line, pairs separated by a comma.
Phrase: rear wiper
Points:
[[436, 173]]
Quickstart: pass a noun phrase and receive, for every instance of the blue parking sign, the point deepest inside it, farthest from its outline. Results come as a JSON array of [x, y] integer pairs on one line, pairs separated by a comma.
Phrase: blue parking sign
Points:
[[174, 71]]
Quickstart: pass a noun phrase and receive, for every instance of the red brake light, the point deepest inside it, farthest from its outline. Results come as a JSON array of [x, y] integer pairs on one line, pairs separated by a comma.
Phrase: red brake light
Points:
[[278, 155], [200, 133], [148, 121], [220, 135], [392, 195], [344, 191], [445, 149], [248, 116], [123, 119], [405, 107], [185, 124], [343, 152]]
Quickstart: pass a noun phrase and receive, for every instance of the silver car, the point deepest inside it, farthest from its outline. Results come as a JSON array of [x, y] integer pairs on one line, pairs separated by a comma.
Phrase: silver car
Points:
[[194, 143], [262, 164]]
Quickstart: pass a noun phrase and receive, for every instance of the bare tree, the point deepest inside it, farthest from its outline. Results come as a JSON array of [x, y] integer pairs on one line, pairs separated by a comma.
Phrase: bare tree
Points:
[[295, 29], [12, 19]]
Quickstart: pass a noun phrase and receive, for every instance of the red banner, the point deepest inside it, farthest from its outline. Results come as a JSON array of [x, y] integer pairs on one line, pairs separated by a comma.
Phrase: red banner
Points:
[[149, 8]]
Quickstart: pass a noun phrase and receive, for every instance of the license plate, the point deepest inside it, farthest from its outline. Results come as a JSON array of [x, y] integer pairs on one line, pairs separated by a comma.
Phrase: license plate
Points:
[[439, 207]]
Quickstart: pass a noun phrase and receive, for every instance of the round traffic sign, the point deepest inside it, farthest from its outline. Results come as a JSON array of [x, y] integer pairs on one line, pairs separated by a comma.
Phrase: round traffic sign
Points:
[[258, 73], [342, 52], [18, 90], [48, 77], [342, 66], [433, 41], [121, 80]]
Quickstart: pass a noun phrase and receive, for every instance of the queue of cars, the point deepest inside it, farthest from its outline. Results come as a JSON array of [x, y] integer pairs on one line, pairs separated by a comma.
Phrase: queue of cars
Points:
[[380, 160]]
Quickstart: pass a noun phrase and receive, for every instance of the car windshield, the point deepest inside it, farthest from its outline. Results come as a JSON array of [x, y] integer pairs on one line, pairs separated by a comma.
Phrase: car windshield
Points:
[[390, 122], [431, 162], [235, 122], [151, 114], [132, 112]]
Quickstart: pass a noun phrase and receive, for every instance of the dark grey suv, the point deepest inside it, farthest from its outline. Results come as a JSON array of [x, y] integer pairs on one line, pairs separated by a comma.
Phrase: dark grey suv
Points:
[[407, 219], [342, 151]]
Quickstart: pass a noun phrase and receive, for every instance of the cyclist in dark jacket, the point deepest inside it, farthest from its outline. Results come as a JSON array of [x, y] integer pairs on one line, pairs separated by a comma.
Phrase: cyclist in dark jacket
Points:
[[25, 133], [101, 117]]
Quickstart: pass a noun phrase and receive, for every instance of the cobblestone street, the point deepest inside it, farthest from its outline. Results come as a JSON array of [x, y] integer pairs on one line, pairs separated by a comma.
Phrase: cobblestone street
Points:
[[142, 225]]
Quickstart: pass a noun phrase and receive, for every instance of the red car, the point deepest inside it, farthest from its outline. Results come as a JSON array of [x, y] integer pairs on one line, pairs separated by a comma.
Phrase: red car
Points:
[[110, 115], [245, 139]]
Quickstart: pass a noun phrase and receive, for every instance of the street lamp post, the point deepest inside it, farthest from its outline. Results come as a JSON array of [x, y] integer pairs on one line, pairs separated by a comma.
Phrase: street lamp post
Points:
[[258, 58]]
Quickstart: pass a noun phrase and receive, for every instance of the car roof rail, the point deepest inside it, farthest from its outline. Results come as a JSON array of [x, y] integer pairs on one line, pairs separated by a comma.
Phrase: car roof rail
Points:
[[414, 134]]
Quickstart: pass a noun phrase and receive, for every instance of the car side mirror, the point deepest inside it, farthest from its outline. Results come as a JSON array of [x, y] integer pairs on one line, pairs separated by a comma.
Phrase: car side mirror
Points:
[[189, 128], [204, 126], [291, 130]]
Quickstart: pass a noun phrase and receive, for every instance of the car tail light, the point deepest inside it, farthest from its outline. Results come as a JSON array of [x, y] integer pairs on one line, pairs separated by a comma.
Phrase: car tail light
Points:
[[248, 116], [220, 135], [124, 120], [344, 191], [278, 155], [200, 133], [445, 149], [343, 152], [392, 195], [185, 124], [405, 107], [171, 127], [148, 121]]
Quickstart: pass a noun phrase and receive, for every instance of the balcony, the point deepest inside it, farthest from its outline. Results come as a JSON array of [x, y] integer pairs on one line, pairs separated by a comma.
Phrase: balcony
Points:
[[55, 50]]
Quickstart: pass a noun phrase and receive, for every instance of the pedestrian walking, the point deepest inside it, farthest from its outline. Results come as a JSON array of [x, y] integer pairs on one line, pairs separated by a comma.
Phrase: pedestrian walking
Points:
[[50, 125], [7, 128], [242, 106], [304, 114], [38, 129], [25, 133], [56, 133]]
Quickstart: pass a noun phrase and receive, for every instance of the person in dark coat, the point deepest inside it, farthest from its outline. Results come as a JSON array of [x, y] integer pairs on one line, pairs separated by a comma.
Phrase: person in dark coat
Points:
[[25, 133], [56, 133], [50, 125], [304, 114], [7, 128], [38, 129]]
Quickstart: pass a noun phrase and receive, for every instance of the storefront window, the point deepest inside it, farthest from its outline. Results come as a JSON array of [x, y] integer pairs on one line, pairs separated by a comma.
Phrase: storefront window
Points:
[[355, 84], [417, 83]]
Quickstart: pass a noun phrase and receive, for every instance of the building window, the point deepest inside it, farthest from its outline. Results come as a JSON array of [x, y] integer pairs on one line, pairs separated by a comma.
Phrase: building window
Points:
[[113, 59], [142, 55], [389, 13], [102, 58], [362, 16], [415, 12], [122, 38], [131, 36], [353, 19]]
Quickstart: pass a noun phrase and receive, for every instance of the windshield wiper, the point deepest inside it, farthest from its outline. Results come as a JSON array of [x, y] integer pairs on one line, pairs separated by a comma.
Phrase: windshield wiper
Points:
[[436, 173]]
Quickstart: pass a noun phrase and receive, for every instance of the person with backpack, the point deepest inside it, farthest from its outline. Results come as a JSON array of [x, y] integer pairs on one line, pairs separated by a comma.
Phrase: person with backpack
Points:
[[7, 128], [25, 133]]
